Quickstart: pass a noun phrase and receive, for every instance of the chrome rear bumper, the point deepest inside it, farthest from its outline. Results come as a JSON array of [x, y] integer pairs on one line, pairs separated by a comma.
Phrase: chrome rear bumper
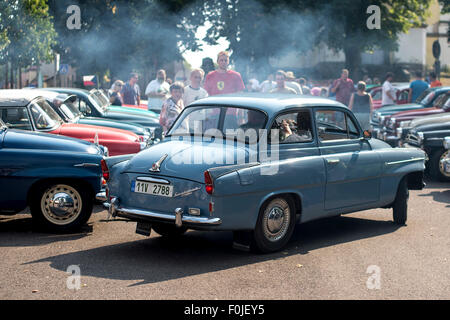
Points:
[[178, 218]]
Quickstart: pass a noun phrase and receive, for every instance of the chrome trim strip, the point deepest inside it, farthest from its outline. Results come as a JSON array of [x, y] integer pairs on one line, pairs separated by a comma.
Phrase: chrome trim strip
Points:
[[154, 180], [405, 161], [86, 165], [184, 219]]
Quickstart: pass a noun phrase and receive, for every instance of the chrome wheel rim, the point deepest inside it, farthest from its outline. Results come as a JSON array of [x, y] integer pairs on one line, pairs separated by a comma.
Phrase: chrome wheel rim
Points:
[[276, 220], [441, 165], [61, 204]]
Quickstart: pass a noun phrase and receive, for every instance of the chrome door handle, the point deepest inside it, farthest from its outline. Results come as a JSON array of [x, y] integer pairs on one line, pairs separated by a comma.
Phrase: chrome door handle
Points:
[[333, 161]]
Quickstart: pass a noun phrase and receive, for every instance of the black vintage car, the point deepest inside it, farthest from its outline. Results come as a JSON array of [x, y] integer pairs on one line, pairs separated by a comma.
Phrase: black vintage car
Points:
[[430, 137]]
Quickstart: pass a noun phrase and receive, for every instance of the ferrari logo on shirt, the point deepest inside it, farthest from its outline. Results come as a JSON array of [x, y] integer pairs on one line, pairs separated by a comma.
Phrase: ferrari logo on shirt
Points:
[[220, 85]]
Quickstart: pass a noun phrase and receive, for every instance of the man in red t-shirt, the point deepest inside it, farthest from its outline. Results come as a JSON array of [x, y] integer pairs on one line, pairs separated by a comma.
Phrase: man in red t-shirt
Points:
[[343, 87], [223, 81]]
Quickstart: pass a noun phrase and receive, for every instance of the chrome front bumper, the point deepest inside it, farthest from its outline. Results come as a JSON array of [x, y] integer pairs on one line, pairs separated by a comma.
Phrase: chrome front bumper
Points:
[[114, 209]]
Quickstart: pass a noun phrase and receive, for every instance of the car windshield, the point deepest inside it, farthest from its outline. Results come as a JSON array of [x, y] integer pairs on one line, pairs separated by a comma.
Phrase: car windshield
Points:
[[100, 99], [425, 97], [204, 120], [44, 116], [96, 102], [2, 125], [70, 111]]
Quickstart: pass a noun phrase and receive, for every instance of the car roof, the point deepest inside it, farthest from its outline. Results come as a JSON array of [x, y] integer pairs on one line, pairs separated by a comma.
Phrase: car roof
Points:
[[70, 90], [18, 97], [270, 103]]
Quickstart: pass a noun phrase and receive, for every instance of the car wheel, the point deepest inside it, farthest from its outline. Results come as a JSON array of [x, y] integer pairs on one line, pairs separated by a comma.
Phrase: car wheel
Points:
[[275, 225], [437, 171], [61, 207], [168, 230], [400, 207]]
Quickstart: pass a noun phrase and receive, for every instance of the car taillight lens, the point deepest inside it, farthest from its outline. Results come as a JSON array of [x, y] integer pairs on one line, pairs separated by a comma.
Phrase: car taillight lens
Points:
[[105, 170], [208, 183]]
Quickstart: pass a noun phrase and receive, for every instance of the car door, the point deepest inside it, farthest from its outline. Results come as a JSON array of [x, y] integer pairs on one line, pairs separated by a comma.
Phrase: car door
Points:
[[352, 168]]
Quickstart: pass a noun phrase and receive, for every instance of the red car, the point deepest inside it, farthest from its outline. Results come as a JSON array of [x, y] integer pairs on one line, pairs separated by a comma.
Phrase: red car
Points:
[[397, 125], [402, 92], [26, 110]]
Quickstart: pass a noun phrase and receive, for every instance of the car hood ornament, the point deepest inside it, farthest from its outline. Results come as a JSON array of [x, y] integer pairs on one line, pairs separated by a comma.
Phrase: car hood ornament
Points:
[[157, 165]]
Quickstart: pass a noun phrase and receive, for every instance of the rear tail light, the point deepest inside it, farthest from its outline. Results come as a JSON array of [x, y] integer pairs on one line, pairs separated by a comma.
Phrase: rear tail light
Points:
[[105, 170], [209, 187]]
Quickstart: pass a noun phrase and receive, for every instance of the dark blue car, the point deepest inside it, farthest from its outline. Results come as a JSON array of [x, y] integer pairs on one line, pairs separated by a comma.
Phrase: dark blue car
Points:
[[57, 177]]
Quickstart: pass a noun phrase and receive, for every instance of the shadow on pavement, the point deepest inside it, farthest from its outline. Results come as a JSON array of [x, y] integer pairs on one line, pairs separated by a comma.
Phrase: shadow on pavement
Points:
[[157, 259], [438, 196], [19, 231]]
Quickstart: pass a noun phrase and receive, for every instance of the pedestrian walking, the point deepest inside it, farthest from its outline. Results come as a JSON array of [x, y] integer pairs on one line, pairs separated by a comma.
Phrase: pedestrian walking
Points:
[[290, 83], [417, 87], [172, 107], [131, 92], [343, 88], [434, 82], [362, 105], [223, 81], [157, 91], [388, 91], [194, 91], [115, 97], [280, 78]]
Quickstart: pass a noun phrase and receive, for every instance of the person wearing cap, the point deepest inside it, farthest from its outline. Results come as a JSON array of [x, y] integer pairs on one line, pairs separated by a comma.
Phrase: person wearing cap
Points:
[[290, 83], [223, 81]]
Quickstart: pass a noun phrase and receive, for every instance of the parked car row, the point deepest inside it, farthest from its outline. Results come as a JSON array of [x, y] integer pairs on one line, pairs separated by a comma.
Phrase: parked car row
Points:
[[326, 166], [424, 125]]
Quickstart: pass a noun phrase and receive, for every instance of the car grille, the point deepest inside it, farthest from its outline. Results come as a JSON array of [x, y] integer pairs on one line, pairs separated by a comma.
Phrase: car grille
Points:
[[412, 140]]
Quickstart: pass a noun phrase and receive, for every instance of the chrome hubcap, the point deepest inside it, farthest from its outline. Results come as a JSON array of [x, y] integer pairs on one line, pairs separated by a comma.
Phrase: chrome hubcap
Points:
[[61, 204], [276, 220]]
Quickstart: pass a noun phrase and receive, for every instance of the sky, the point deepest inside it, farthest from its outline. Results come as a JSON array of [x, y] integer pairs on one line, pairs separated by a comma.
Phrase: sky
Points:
[[195, 58]]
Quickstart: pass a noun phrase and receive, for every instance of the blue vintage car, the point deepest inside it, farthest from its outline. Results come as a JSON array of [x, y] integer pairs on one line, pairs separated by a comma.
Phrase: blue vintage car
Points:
[[257, 164], [57, 177]]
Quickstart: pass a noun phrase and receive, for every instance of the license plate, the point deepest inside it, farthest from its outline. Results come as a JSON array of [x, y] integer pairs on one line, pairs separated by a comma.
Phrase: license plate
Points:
[[155, 189]]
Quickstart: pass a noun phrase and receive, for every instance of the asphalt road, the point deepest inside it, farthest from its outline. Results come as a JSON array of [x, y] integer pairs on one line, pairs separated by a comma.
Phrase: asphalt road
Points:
[[358, 256]]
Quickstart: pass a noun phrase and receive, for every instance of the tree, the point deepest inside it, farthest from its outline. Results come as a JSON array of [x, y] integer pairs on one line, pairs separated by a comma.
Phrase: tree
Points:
[[120, 36], [261, 29], [26, 34]]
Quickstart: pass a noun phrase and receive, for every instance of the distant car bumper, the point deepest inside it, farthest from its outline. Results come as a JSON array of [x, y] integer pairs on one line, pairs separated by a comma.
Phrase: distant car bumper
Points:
[[101, 196], [178, 218]]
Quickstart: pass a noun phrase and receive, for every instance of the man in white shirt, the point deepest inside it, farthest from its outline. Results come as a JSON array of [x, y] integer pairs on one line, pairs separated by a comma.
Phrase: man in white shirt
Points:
[[388, 91], [194, 91], [290, 82], [157, 91]]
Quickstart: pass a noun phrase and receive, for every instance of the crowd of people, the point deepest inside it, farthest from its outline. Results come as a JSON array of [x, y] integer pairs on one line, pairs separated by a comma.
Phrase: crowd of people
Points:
[[169, 99]]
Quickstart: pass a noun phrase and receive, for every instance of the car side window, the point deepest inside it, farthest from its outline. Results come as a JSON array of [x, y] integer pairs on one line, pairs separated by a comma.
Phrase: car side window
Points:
[[16, 118], [84, 108], [335, 125], [294, 127]]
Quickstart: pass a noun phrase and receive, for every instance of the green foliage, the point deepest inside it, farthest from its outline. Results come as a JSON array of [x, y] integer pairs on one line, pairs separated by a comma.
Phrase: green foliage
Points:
[[125, 35], [26, 32], [260, 29]]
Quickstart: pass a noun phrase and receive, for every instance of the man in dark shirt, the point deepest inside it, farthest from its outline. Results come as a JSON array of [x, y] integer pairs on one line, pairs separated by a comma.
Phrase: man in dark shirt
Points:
[[130, 92]]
